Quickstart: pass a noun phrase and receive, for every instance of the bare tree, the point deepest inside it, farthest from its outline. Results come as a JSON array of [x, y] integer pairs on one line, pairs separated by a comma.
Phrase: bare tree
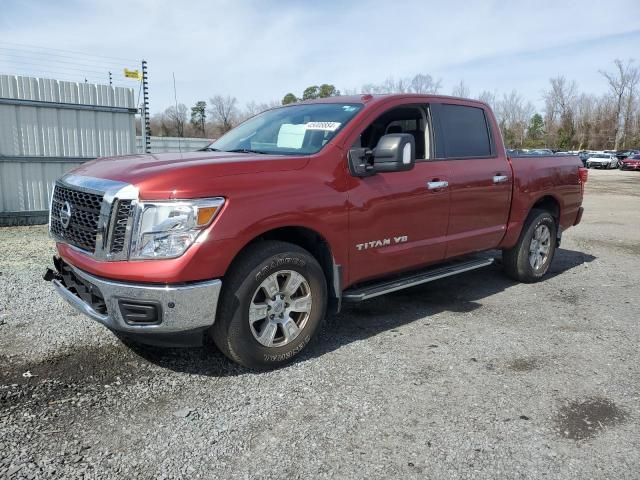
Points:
[[175, 120], [391, 85], [253, 108], [461, 90], [622, 84], [424, 83], [420, 83], [585, 120], [560, 97], [224, 112], [559, 106], [513, 115], [488, 97]]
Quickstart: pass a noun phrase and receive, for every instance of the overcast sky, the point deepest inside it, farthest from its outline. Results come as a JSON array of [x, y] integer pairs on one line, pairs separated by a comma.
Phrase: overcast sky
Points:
[[260, 50]]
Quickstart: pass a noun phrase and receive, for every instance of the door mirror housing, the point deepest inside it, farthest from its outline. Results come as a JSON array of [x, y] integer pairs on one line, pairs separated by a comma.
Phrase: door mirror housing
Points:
[[395, 152]]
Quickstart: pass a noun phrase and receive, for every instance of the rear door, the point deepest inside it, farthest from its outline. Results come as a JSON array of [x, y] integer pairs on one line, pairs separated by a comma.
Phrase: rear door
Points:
[[396, 222], [480, 177]]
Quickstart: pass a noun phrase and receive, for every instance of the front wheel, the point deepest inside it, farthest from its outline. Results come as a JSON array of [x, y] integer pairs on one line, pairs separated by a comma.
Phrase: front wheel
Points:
[[273, 301], [529, 260]]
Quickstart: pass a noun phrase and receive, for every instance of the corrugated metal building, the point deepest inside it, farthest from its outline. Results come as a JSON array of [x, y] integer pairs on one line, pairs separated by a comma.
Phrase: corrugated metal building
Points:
[[46, 128]]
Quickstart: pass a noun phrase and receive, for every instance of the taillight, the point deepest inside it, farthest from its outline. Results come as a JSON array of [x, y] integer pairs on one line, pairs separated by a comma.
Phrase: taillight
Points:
[[583, 176]]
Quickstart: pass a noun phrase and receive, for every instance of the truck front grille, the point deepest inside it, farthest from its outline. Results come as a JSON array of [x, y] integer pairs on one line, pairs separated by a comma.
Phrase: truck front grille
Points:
[[118, 236], [82, 228]]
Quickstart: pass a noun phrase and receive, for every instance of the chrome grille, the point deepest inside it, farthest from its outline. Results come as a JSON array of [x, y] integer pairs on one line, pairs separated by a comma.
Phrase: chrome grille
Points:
[[85, 214], [122, 211]]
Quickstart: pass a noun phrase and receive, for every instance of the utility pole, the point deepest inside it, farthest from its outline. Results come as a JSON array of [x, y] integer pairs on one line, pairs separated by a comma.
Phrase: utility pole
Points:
[[144, 110]]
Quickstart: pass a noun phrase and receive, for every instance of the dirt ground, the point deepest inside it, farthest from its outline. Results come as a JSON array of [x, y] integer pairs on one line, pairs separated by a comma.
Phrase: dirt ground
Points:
[[473, 376]]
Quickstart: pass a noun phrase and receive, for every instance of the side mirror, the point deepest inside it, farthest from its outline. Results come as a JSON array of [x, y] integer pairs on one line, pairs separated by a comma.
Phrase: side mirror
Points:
[[395, 152]]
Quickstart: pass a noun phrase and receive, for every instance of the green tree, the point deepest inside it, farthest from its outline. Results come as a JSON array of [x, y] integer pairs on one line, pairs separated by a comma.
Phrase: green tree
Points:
[[311, 92], [289, 98], [566, 132], [199, 116], [535, 131], [327, 90]]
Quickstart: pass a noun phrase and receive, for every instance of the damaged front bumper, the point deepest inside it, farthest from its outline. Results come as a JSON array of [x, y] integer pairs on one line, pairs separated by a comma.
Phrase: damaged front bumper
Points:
[[155, 314]]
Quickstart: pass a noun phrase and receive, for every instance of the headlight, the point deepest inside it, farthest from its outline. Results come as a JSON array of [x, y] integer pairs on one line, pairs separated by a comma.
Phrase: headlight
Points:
[[167, 229]]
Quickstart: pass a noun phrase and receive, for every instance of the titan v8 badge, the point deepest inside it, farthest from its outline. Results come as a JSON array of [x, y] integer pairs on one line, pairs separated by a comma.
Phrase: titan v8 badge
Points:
[[385, 242]]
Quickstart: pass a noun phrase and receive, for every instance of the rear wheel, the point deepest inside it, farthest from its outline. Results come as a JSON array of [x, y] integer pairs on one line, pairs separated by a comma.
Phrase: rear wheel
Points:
[[529, 260], [274, 299]]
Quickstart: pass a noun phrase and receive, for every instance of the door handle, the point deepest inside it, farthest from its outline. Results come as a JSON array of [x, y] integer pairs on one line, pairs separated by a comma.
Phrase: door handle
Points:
[[437, 184], [500, 178]]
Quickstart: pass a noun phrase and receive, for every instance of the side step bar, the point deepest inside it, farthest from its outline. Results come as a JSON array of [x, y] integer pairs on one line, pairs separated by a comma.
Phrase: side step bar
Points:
[[388, 286]]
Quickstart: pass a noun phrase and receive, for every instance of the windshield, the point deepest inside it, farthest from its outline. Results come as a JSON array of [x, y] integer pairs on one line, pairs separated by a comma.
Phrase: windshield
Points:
[[600, 155], [293, 130]]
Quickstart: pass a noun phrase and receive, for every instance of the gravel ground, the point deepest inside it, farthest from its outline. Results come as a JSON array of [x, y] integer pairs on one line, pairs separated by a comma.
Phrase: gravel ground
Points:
[[470, 377]]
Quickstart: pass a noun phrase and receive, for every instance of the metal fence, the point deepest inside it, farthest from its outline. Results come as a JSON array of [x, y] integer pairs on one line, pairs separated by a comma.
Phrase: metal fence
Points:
[[173, 144], [48, 127]]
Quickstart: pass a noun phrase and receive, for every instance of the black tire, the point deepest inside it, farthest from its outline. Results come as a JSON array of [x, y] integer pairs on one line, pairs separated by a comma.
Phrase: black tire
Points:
[[232, 332], [516, 260]]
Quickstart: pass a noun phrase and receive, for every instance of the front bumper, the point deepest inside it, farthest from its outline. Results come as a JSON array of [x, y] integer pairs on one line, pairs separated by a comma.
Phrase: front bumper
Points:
[[181, 313]]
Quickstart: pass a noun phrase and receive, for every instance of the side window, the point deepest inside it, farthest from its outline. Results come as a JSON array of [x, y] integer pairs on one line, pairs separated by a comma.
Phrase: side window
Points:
[[465, 132], [410, 119]]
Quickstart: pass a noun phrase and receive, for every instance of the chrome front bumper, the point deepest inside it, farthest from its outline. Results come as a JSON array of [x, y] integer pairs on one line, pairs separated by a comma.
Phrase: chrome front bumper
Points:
[[183, 308]]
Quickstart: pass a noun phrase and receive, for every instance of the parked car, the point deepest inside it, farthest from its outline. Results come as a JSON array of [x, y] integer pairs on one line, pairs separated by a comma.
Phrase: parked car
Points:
[[602, 160], [298, 210], [584, 155], [541, 151], [630, 163]]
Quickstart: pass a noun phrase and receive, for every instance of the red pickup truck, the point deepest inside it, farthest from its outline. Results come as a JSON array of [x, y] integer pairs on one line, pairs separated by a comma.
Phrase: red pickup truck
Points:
[[297, 210]]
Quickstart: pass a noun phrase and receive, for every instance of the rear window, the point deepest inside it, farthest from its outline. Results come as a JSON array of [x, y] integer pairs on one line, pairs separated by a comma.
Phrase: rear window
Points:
[[465, 131]]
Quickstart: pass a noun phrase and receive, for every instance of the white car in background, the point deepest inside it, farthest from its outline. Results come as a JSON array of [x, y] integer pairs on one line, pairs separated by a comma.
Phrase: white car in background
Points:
[[602, 160]]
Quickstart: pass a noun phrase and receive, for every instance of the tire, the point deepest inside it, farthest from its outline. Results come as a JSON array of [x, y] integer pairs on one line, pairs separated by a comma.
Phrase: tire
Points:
[[261, 342], [518, 262]]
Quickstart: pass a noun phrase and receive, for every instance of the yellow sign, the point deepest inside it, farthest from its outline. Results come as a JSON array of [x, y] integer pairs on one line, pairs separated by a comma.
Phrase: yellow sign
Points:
[[135, 74]]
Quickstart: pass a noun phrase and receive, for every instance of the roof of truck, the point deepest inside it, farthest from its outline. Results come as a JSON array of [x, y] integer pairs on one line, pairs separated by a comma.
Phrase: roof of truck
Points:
[[371, 98]]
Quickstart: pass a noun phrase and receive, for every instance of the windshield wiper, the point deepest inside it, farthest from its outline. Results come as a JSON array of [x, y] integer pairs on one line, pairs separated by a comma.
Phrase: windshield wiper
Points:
[[246, 150], [210, 149]]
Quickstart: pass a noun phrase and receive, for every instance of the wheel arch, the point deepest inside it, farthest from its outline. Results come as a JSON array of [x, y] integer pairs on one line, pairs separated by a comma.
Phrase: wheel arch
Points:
[[549, 203], [312, 241]]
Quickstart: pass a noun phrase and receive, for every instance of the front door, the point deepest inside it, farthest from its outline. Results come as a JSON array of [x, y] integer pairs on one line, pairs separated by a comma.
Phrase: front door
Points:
[[396, 221]]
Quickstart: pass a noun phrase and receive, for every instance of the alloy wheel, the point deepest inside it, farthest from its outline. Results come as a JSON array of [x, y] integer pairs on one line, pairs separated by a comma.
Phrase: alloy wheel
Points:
[[280, 308], [540, 247]]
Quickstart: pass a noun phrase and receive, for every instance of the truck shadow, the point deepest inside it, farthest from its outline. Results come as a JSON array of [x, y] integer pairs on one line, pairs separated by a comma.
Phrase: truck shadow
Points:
[[459, 294], [361, 321]]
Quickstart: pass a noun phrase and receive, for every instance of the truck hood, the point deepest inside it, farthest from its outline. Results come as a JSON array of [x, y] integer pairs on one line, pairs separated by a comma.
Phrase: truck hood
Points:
[[184, 175]]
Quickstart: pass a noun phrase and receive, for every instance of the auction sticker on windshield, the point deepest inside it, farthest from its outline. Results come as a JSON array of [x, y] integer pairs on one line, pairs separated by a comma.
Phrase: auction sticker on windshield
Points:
[[326, 126]]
